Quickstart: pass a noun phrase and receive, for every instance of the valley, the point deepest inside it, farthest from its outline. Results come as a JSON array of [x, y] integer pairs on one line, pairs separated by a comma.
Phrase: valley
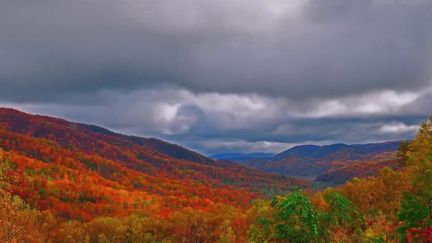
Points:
[[70, 182]]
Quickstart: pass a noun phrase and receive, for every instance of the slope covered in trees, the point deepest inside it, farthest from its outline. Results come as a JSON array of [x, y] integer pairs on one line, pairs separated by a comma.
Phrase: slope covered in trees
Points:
[[86, 147], [67, 192], [79, 173]]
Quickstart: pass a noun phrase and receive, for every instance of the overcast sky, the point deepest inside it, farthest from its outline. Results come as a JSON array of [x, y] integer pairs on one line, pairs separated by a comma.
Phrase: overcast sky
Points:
[[223, 75]]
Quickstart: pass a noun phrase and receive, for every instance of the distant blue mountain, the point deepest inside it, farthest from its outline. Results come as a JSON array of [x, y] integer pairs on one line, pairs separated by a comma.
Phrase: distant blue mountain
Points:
[[242, 157], [329, 152], [312, 161], [355, 150]]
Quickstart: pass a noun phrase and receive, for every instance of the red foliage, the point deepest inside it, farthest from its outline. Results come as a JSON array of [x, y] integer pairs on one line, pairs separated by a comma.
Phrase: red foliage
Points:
[[80, 171]]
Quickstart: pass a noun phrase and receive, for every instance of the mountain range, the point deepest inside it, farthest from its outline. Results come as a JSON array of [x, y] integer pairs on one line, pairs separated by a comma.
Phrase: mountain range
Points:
[[334, 164]]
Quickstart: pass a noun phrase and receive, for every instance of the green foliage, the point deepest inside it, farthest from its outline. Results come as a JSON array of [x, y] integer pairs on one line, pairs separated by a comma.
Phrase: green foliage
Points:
[[294, 218], [341, 208], [298, 218], [341, 213], [412, 213]]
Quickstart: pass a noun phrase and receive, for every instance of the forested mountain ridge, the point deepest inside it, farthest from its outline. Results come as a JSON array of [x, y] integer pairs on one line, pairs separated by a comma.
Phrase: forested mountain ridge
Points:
[[146, 155], [332, 151], [62, 131], [334, 164]]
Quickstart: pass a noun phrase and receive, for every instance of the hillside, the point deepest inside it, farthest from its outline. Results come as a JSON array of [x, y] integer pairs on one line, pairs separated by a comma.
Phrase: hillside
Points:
[[342, 171], [333, 164], [81, 171]]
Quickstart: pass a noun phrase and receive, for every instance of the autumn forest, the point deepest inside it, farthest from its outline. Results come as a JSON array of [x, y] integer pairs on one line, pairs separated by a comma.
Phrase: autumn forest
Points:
[[71, 182]]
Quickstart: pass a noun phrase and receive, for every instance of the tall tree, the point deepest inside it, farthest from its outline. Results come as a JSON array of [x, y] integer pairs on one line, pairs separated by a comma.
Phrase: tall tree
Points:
[[298, 221]]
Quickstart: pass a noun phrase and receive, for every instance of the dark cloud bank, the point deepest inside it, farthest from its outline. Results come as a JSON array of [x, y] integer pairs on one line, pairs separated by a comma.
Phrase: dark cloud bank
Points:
[[223, 75]]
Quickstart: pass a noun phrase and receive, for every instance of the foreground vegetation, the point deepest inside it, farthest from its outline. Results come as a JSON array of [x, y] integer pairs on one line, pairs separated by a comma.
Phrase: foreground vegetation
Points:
[[393, 206]]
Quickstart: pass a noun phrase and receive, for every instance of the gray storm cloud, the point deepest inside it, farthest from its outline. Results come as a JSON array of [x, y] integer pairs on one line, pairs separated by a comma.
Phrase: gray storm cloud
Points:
[[246, 70], [222, 46]]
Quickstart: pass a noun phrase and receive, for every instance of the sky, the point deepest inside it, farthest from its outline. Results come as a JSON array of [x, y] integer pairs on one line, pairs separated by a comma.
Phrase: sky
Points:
[[226, 75]]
